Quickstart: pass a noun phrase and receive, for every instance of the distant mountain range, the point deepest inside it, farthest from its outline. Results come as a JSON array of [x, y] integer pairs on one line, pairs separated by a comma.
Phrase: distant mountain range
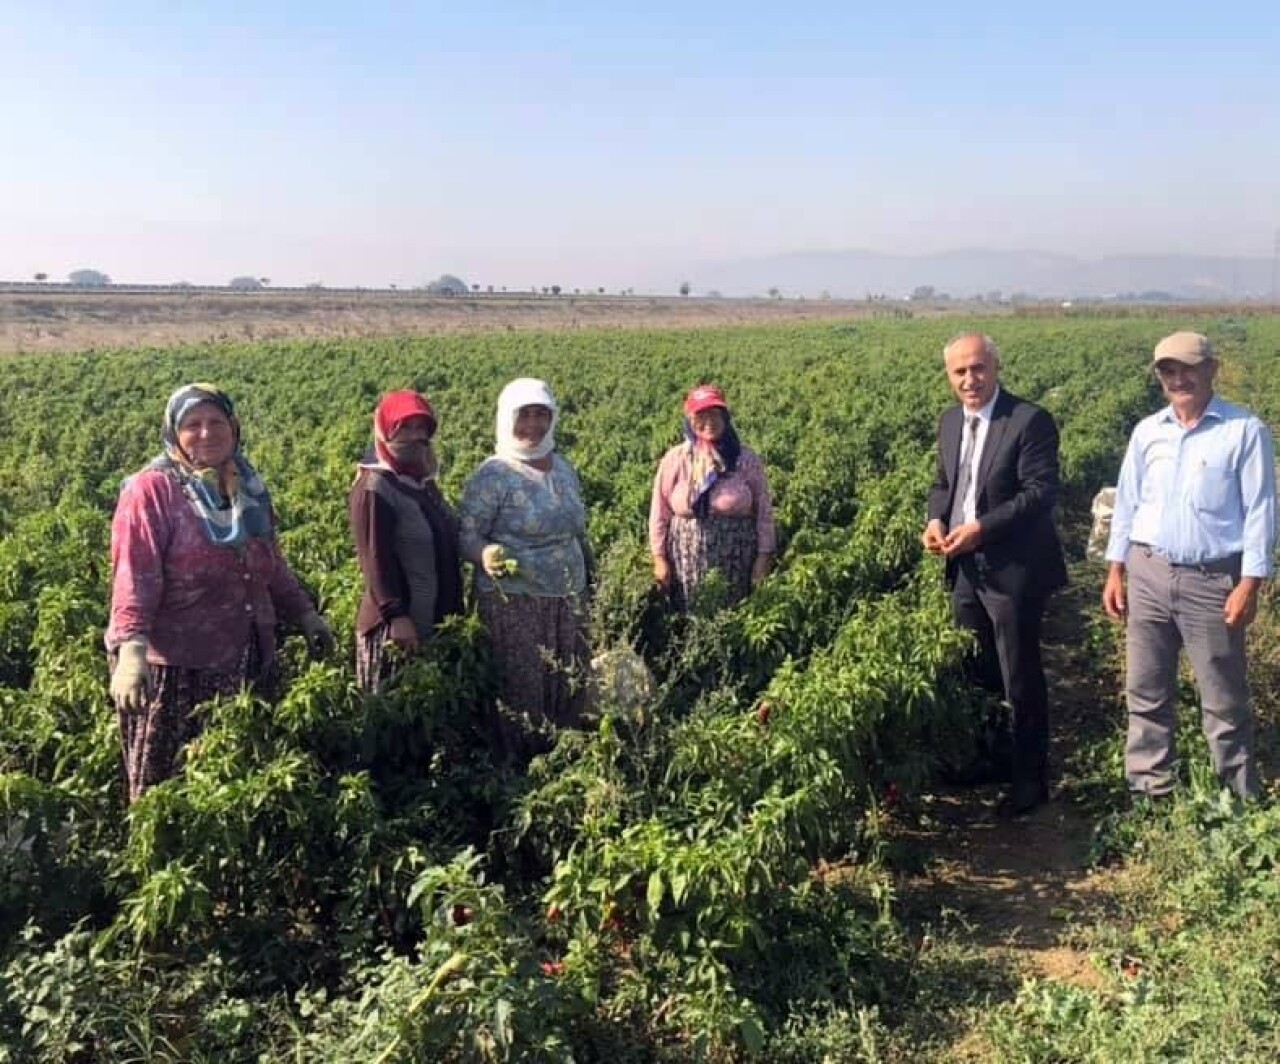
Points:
[[970, 272]]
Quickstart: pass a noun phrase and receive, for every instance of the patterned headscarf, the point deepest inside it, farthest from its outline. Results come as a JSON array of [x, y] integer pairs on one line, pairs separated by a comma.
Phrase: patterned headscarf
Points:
[[524, 391], [244, 511], [708, 461]]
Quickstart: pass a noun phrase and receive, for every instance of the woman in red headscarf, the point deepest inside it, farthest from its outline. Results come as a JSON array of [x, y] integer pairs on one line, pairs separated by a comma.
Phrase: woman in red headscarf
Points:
[[406, 537], [710, 506]]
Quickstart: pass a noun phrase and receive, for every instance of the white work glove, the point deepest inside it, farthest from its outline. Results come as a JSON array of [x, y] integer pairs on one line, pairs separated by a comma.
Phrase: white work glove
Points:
[[496, 563], [131, 685], [319, 635]]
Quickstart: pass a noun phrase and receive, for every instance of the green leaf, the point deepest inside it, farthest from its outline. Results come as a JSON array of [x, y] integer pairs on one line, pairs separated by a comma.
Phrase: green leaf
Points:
[[656, 891], [752, 1034], [502, 1022]]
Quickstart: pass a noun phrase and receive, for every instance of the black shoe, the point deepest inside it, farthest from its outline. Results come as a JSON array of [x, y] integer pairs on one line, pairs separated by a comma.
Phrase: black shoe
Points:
[[1023, 797]]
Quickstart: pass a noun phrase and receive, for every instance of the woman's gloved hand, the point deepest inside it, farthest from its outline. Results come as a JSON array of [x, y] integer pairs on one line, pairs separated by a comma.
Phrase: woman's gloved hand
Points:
[[319, 635], [496, 563], [131, 684]]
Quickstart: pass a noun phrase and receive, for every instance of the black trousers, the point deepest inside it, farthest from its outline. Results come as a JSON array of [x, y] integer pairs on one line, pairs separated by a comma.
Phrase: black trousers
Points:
[[1008, 663]]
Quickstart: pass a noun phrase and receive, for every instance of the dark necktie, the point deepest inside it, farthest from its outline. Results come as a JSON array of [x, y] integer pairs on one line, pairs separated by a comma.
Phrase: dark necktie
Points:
[[964, 475]]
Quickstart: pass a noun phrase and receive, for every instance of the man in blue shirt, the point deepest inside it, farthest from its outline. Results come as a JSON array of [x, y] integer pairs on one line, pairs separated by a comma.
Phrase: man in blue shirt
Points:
[[1193, 531]]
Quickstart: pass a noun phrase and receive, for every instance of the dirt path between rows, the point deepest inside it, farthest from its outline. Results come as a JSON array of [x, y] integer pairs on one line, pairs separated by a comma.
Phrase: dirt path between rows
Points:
[[1003, 896]]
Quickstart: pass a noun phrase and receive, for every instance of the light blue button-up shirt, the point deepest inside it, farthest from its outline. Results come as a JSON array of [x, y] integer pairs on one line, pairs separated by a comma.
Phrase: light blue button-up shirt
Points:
[[1196, 495]]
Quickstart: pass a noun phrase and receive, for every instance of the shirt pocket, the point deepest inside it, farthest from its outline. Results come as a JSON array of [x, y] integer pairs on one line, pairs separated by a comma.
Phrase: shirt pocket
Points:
[[1215, 491]]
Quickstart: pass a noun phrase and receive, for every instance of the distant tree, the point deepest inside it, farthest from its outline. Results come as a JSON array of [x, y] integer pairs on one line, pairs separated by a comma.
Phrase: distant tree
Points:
[[824, 294], [685, 288], [316, 286], [448, 285], [600, 290], [42, 277], [265, 281], [555, 289], [475, 288], [922, 293], [88, 278], [774, 293], [245, 284], [490, 289]]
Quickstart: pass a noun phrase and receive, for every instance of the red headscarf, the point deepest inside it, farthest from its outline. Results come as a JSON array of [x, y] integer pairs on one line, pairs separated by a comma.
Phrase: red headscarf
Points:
[[393, 410]]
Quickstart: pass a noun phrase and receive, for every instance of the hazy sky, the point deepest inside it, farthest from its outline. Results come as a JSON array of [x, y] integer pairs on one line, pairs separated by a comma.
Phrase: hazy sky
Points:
[[594, 144]]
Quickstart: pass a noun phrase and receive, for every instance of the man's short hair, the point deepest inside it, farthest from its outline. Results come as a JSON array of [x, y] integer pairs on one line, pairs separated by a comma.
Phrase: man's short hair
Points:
[[988, 345]]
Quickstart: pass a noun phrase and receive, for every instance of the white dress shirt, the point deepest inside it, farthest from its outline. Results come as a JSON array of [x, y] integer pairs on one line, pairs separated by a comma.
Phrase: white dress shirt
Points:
[[975, 459]]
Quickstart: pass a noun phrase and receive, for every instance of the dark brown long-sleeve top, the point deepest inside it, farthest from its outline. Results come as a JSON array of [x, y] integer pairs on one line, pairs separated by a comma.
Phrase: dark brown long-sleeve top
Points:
[[407, 545]]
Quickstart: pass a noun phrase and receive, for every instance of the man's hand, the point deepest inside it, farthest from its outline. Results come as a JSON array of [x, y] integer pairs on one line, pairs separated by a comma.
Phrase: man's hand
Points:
[[1241, 606], [963, 540], [403, 633], [1113, 600], [933, 537]]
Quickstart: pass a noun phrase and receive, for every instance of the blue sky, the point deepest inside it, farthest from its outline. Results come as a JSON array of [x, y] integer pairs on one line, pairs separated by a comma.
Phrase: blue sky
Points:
[[538, 143]]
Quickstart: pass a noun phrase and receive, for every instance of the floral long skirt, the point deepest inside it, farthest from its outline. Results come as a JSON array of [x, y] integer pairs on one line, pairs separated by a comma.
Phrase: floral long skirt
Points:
[[696, 546], [375, 661], [541, 647], [153, 738]]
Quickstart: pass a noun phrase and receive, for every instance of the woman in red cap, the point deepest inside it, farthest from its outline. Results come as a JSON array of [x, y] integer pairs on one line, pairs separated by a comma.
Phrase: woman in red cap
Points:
[[710, 506], [406, 537]]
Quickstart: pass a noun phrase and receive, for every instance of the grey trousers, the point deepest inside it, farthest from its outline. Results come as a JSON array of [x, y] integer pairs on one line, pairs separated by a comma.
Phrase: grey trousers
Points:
[[1171, 607]]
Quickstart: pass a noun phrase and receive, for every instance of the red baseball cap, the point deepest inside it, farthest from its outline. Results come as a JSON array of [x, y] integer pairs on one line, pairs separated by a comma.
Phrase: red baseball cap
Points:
[[704, 397]]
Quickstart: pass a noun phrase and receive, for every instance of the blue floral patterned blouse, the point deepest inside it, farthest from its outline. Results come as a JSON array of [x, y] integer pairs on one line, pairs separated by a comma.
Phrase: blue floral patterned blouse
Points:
[[539, 520]]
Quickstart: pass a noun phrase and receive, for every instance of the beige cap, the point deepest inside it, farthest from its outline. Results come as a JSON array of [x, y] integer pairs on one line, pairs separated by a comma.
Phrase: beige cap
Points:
[[1189, 348]]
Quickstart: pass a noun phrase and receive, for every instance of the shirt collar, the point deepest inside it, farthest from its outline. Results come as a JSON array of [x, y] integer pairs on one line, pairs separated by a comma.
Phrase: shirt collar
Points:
[[1216, 408]]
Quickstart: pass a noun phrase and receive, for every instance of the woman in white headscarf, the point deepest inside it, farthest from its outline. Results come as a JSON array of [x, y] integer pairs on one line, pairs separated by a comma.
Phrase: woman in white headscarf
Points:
[[524, 527]]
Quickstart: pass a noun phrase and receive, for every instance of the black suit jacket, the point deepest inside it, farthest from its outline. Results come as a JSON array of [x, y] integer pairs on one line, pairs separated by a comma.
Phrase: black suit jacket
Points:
[[1017, 484]]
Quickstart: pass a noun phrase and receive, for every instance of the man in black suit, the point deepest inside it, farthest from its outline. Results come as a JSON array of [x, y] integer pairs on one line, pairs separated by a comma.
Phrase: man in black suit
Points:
[[991, 516]]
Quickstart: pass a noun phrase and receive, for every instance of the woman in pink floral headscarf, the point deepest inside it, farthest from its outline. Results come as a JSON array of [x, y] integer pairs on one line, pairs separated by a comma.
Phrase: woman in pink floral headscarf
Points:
[[710, 507]]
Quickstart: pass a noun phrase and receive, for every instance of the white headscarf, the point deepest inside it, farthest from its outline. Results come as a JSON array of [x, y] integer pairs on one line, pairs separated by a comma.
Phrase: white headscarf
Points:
[[524, 391]]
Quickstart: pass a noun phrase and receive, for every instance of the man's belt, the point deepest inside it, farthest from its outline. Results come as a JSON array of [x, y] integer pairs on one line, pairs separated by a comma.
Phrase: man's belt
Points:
[[1230, 564]]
